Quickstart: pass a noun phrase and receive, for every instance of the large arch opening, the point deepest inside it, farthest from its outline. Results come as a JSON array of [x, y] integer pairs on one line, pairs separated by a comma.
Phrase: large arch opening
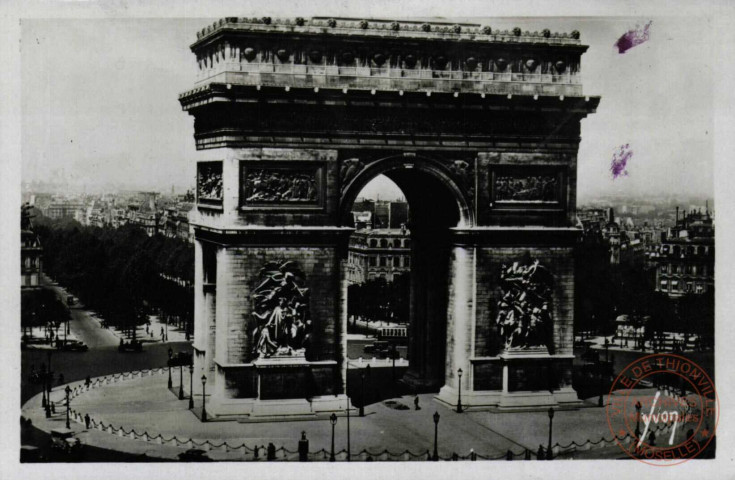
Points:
[[436, 204]]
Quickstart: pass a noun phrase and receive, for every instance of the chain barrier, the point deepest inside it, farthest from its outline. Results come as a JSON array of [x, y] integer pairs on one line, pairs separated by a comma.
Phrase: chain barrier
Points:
[[322, 454]]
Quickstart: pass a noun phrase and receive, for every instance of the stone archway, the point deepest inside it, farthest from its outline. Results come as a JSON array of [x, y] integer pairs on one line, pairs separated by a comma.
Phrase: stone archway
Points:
[[439, 200], [489, 160]]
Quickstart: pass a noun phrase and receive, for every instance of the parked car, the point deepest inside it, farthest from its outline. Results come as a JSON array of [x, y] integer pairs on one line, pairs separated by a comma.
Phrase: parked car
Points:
[[64, 440]]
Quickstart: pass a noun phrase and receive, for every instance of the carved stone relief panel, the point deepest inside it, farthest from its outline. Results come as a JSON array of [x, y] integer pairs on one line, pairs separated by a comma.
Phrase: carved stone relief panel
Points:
[[530, 188], [209, 182], [281, 319], [524, 309], [294, 186]]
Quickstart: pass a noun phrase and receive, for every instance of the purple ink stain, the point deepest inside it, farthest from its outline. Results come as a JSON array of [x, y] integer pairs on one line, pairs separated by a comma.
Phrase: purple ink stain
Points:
[[633, 37], [620, 161]]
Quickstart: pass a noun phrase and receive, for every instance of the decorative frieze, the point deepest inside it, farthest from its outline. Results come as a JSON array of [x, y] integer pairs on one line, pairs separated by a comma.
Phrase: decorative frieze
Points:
[[280, 186], [530, 188]]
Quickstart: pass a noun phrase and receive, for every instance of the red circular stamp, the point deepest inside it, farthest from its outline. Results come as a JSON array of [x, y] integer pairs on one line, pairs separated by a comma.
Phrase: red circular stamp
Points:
[[663, 409]]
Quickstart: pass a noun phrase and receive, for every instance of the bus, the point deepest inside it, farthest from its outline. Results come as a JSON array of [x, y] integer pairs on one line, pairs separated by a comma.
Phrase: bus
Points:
[[397, 335]]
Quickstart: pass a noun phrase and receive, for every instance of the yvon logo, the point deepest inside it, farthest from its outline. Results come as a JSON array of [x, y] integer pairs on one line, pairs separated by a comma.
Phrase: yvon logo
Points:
[[667, 424]]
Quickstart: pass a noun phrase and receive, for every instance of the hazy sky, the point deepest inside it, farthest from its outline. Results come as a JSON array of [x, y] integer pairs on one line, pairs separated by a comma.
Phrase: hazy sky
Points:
[[99, 102]]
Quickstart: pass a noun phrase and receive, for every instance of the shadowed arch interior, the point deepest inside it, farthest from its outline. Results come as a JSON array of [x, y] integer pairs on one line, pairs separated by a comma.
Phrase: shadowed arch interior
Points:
[[434, 208]]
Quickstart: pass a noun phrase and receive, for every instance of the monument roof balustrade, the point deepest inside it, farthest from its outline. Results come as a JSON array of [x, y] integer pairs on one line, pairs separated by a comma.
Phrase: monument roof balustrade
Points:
[[463, 53], [378, 28]]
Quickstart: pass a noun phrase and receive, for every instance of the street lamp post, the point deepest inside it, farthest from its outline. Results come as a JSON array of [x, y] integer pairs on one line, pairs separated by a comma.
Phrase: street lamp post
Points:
[[181, 381], [348, 429], [68, 391], [43, 386], [459, 392], [362, 393], [191, 385], [49, 377], [170, 356], [638, 419], [436, 436], [549, 455], [599, 374], [333, 421], [204, 398]]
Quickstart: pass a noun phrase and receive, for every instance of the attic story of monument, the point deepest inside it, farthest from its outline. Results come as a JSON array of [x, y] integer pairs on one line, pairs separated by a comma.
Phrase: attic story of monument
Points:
[[479, 129]]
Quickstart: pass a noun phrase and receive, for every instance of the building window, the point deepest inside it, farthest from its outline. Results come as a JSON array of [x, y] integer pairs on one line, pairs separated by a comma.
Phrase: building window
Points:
[[406, 261], [396, 261], [664, 285], [689, 287], [373, 261], [674, 286], [406, 243], [699, 288], [383, 261], [384, 243], [373, 243]]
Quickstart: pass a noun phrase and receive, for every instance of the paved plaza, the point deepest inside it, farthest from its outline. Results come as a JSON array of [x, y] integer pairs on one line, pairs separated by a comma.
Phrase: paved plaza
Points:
[[393, 425]]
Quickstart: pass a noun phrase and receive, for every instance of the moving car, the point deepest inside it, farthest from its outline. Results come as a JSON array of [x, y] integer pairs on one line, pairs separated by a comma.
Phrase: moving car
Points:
[[131, 346], [181, 358], [74, 346], [63, 439], [194, 455]]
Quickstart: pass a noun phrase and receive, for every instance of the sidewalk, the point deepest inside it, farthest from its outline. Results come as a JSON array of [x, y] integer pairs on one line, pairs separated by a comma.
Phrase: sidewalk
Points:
[[151, 416]]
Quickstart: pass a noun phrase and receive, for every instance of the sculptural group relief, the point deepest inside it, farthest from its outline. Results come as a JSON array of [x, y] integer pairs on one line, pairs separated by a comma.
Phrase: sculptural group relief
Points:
[[281, 321], [524, 319]]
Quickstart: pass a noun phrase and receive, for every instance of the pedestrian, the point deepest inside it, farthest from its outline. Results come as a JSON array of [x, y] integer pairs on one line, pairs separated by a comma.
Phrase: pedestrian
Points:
[[146, 328], [161, 333], [652, 439], [88, 381], [416, 402], [87, 420]]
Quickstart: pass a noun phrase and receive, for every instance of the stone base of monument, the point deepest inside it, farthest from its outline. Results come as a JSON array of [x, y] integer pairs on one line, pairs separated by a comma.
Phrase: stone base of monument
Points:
[[518, 380], [278, 386]]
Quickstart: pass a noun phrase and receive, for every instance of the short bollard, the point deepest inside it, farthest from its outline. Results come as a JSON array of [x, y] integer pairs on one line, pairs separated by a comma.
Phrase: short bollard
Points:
[[509, 455], [540, 455], [303, 448], [271, 452]]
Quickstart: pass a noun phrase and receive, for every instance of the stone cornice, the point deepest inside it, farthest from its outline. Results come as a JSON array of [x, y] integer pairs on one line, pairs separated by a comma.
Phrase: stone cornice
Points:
[[517, 236]]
